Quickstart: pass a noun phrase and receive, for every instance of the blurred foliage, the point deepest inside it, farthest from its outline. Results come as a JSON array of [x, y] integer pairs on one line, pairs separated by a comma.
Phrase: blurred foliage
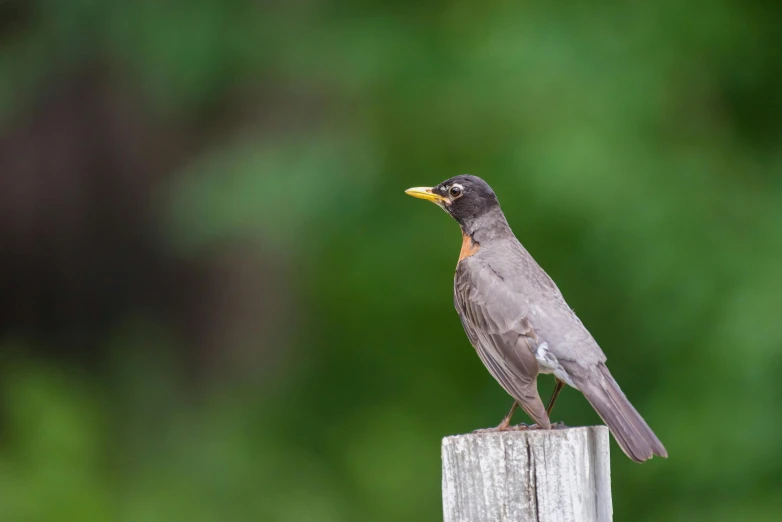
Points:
[[635, 148]]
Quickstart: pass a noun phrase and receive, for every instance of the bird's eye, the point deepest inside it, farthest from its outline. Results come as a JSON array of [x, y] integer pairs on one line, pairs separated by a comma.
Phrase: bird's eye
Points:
[[456, 191]]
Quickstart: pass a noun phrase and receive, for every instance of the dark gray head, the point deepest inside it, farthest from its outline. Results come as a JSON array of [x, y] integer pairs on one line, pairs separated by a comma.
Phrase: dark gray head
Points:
[[465, 197]]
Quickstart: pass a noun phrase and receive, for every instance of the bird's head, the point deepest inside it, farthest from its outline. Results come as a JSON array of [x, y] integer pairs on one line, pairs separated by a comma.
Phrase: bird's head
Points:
[[465, 197]]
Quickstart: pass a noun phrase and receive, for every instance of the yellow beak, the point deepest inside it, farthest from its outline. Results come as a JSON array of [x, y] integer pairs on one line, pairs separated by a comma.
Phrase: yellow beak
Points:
[[424, 193]]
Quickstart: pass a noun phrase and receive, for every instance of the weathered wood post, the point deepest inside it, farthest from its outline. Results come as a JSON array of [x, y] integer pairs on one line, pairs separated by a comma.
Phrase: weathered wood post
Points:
[[558, 475]]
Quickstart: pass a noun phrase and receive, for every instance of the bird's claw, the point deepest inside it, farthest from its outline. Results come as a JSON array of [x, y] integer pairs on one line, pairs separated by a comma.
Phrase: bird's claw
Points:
[[488, 430], [524, 427], [519, 427], [502, 427]]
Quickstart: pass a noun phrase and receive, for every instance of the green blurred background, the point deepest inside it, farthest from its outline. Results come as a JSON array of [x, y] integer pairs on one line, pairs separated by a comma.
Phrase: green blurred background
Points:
[[216, 302]]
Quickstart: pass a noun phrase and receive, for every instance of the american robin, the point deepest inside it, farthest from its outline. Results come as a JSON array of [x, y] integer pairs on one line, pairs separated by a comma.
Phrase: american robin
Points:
[[519, 323]]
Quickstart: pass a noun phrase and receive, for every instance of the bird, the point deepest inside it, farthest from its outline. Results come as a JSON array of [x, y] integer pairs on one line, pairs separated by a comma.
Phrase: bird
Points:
[[520, 325]]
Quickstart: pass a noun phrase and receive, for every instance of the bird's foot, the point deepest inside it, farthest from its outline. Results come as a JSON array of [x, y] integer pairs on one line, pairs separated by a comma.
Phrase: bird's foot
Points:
[[490, 430], [503, 426], [523, 427]]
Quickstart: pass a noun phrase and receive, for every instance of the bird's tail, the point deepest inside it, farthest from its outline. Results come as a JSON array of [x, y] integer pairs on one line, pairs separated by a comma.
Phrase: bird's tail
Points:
[[634, 436]]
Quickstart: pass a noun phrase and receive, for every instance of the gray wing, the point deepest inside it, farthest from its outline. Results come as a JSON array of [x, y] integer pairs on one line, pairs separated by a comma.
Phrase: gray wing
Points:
[[539, 301], [494, 319]]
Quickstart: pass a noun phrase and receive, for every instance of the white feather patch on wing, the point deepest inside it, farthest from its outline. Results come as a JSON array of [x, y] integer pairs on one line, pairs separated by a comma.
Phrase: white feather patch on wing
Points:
[[548, 363]]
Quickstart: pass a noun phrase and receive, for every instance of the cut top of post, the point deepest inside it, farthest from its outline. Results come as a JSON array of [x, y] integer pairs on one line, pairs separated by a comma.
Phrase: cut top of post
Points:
[[536, 475]]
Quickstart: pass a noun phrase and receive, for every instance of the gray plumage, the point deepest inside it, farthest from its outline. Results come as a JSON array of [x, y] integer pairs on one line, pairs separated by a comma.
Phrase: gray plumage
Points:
[[520, 325]]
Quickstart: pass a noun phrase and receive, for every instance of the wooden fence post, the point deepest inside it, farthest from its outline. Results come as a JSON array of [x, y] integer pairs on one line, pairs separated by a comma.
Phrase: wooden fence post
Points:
[[536, 475]]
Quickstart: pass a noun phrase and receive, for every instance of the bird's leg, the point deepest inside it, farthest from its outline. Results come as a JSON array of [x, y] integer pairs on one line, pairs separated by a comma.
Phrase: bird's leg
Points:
[[557, 388], [506, 420], [556, 425], [504, 425]]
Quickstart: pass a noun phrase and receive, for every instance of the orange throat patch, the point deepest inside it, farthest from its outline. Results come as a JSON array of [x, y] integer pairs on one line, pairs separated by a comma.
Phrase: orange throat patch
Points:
[[469, 247]]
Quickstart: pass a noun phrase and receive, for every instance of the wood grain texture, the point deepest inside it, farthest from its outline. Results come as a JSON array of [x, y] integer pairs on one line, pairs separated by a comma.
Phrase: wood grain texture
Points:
[[536, 475]]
